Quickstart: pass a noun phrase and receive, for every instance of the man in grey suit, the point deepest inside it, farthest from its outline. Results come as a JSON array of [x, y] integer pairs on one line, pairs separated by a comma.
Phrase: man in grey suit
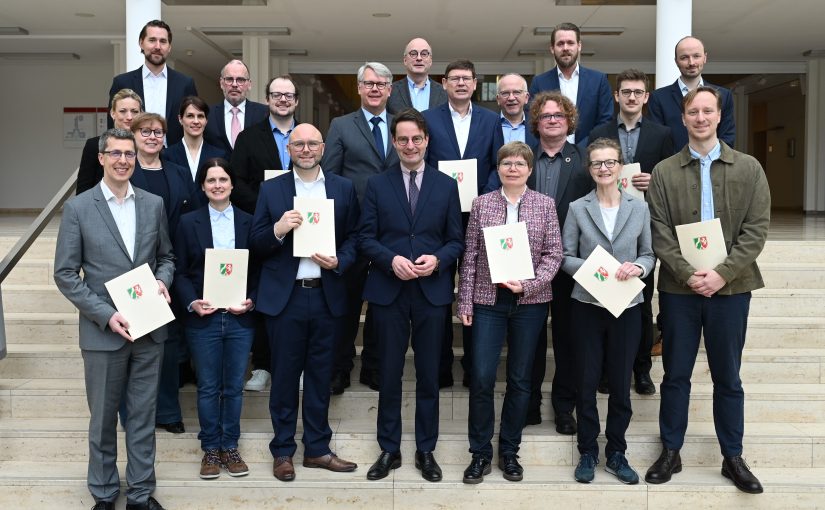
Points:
[[359, 146], [106, 231], [416, 90]]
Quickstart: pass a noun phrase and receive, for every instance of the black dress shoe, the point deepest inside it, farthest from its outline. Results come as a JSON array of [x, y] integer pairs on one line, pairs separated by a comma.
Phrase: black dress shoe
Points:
[[340, 382], [430, 470], [669, 462], [533, 417], [104, 505], [565, 424], [508, 464], [603, 387], [465, 381], [174, 428], [644, 384], [369, 378], [386, 461], [151, 504], [478, 467], [445, 381], [737, 470]]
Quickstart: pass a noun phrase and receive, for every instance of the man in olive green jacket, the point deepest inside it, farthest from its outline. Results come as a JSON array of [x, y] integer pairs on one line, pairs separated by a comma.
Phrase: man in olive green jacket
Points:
[[706, 180]]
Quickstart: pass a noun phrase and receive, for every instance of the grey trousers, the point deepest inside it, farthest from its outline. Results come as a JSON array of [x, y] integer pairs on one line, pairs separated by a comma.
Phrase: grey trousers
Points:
[[135, 369]]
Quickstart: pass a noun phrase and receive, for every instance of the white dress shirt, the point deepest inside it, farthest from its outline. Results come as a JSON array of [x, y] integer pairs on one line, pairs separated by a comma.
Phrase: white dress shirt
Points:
[[192, 160], [315, 189], [123, 212], [154, 90], [570, 90], [461, 125]]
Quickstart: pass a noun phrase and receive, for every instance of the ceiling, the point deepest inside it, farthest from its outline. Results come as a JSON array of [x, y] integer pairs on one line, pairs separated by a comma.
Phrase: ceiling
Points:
[[339, 31]]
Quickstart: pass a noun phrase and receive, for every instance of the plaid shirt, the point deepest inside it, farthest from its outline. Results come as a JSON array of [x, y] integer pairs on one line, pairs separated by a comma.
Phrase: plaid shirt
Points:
[[539, 212]]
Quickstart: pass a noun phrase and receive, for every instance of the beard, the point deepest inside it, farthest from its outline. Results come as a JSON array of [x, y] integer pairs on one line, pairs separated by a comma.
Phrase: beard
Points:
[[567, 61]]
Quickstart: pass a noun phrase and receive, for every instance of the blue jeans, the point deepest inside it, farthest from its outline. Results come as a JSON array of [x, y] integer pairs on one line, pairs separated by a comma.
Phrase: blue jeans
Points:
[[220, 352], [520, 324]]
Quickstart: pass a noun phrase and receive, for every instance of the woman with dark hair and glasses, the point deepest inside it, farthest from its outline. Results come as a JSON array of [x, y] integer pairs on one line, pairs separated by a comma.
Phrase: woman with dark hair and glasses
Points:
[[620, 224], [219, 338], [192, 151]]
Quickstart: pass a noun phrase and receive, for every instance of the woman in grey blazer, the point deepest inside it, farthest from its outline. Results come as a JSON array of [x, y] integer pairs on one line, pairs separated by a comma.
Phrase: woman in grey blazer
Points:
[[619, 223]]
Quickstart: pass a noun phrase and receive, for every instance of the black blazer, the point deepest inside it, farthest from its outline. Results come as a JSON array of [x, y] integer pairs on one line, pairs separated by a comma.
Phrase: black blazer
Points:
[[655, 142], [215, 132], [181, 189], [90, 172], [178, 86], [255, 151], [400, 95], [574, 179]]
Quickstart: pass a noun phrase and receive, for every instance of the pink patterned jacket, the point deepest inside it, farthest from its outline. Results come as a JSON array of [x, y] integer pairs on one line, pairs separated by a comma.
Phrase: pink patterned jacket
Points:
[[539, 212]]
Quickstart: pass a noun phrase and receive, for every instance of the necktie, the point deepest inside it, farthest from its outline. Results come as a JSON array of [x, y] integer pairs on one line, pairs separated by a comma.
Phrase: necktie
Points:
[[235, 126], [376, 134], [413, 190]]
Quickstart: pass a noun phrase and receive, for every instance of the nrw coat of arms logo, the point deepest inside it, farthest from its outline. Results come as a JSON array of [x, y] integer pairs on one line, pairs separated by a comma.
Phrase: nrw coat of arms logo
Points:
[[623, 184], [314, 217], [226, 269], [700, 242], [601, 274], [459, 176], [135, 291], [506, 243]]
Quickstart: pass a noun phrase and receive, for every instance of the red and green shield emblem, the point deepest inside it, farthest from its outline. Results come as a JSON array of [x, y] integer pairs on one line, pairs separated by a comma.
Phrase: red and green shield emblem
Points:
[[701, 242], [601, 274], [459, 176], [623, 183], [506, 243], [135, 291], [314, 217], [226, 269]]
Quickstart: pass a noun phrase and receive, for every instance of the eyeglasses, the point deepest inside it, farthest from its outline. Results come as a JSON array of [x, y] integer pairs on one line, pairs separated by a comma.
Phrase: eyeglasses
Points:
[[506, 164], [146, 132], [289, 96], [507, 93], [116, 155], [456, 79], [403, 141], [229, 80], [298, 145], [380, 85], [416, 53], [553, 116], [636, 92], [609, 163]]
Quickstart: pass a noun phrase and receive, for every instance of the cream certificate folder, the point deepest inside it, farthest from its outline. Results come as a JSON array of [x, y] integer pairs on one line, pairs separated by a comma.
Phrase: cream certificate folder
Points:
[[271, 174], [136, 297], [702, 243], [316, 234], [508, 252], [224, 277], [598, 277], [626, 180], [465, 173]]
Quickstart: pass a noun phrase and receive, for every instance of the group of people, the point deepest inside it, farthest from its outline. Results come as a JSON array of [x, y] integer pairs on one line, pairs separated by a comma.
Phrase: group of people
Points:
[[551, 158]]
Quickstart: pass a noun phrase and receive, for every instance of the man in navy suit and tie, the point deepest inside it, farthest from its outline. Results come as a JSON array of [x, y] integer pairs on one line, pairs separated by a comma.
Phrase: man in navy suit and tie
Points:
[[665, 105], [162, 89], [303, 299], [228, 118], [588, 89], [416, 90], [411, 233]]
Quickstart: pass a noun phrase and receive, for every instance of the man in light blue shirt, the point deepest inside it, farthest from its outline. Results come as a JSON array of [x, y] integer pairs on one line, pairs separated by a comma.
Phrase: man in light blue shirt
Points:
[[512, 96], [416, 90]]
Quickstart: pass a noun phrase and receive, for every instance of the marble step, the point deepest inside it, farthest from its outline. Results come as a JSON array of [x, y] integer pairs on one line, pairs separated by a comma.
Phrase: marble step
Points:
[[66, 398], [63, 485], [32, 271]]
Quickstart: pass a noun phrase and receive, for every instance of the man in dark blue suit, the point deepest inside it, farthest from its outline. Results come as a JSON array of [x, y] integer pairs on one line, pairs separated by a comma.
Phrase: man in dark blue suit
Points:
[[512, 97], [235, 113], [665, 105], [588, 89], [303, 299], [411, 232], [161, 88]]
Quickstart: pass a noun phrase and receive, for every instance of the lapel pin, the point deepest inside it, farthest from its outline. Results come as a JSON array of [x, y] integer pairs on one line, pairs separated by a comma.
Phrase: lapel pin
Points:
[[567, 159]]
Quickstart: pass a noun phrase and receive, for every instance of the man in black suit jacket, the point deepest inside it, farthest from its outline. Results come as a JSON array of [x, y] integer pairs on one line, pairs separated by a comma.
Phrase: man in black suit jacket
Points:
[[512, 97], [162, 89], [418, 58], [235, 84], [647, 143]]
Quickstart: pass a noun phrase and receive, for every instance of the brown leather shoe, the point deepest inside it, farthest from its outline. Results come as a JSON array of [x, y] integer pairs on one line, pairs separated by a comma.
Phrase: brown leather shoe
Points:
[[283, 469], [656, 350], [330, 462]]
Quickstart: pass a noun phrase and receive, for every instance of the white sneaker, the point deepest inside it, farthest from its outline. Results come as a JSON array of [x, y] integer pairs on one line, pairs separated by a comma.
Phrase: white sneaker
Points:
[[258, 382]]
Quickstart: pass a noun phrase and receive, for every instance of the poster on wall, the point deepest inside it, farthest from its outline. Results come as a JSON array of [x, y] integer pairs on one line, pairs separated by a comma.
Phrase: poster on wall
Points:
[[80, 124]]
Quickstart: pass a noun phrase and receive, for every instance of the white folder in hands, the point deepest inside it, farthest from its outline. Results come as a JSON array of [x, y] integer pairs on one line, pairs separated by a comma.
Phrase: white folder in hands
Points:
[[136, 297], [702, 243], [224, 277], [316, 233], [508, 252], [626, 180], [465, 173], [598, 277]]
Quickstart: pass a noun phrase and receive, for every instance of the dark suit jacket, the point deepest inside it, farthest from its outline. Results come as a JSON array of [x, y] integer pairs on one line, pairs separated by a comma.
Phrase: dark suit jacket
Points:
[[89, 172], [193, 237], [444, 145], [178, 86], [389, 228], [351, 152], [498, 139], [181, 190], [655, 143], [665, 108], [177, 154], [255, 151], [215, 132], [574, 179], [279, 267], [594, 100], [400, 95]]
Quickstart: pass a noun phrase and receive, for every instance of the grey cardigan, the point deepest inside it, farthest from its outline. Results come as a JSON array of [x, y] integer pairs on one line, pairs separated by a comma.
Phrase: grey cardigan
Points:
[[584, 229]]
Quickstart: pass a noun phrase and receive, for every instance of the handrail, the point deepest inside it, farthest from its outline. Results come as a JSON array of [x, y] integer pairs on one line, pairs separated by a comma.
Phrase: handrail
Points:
[[27, 239]]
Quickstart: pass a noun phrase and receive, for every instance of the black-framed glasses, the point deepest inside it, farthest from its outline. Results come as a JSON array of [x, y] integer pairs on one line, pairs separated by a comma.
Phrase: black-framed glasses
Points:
[[416, 53], [609, 163], [289, 96], [116, 155], [553, 116], [146, 132], [403, 141], [507, 93], [380, 85], [636, 92], [299, 145], [229, 80]]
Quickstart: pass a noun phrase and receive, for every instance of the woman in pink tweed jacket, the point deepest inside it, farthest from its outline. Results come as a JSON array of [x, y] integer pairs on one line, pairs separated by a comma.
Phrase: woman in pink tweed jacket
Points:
[[514, 310]]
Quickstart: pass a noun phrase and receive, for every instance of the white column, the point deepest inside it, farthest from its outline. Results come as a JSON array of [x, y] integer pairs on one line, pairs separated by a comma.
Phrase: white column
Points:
[[138, 13], [256, 56], [119, 56], [673, 21], [814, 200]]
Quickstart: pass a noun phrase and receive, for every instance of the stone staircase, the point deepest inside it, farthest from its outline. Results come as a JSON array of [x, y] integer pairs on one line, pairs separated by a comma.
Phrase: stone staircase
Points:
[[43, 421]]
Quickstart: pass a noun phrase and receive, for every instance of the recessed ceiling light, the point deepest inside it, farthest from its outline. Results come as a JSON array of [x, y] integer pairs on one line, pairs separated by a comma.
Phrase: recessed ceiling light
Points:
[[84, 15], [381, 15]]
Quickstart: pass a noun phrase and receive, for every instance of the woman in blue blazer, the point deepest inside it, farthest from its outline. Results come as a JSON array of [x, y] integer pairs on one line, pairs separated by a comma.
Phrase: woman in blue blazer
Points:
[[219, 339], [620, 224]]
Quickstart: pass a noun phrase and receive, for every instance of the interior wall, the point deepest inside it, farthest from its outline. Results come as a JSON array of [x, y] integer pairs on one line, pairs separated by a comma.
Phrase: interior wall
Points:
[[786, 172]]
